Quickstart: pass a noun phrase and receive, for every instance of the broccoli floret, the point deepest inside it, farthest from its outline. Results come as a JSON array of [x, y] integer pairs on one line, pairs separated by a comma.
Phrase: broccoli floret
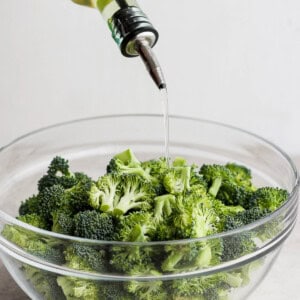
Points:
[[77, 288], [107, 193], [232, 194], [126, 163], [49, 200], [268, 198], [251, 215], [58, 173], [177, 180], [147, 290], [29, 206], [192, 256], [34, 243], [164, 205], [215, 175], [58, 198], [44, 283], [63, 222], [210, 287], [84, 257], [114, 291], [157, 169], [193, 217], [230, 183], [94, 225], [77, 198], [135, 193], [34, 220], [241, 173], [238, 244], [120, 194], [136, 227]]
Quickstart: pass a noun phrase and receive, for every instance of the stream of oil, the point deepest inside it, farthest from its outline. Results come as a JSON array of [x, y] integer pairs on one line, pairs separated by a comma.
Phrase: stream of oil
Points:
[[165, 105]]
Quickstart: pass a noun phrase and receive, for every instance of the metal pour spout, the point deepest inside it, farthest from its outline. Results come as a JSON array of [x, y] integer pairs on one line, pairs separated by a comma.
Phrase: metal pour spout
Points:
[[135, 36], [145, 51]]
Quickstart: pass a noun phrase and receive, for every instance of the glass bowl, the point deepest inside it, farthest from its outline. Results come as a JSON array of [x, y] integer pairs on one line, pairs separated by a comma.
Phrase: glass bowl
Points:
[[89, 144]]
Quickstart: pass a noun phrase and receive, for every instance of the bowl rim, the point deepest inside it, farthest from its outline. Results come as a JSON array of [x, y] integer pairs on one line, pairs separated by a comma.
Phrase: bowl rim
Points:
[[12, 220]]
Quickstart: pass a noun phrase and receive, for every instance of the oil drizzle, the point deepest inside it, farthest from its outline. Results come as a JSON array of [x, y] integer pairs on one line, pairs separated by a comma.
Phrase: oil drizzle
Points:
[[165, 107]]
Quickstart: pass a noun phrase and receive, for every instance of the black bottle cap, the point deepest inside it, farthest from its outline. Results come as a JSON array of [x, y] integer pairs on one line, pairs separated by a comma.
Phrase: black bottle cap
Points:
[[127, 24]]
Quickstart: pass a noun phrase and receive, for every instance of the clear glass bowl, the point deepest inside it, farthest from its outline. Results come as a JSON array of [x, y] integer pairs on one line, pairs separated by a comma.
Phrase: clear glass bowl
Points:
[[89, 144]]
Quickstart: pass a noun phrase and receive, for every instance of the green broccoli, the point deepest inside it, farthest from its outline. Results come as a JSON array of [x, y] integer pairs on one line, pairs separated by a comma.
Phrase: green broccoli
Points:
[[58, 173], [63, 222], [44, 283], [107, 192], [126, 163], [212, 287], [177, 180], [84, 257], [239, 244], [91, 224], [214, 176], [147, 290], [35, 244], [49, 200], [135, 193], [29, 206], [77, 288], [268, 198], [136, 227], [232, 194], [164, 206], [34, 220], [114, 291], [157, 169]]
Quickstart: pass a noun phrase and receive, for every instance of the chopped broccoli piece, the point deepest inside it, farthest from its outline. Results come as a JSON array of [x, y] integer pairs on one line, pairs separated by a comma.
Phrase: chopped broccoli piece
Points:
[[147, 290], [34, 243], [177, 180], [108, 192], [164, 205], [44, 283], [114, 291], [84, 257], [29, 206], [239, 244], [34, 220], [230, 183], [77, 288], [136, 227], [58, 173], [268, 198], [94, 225], [134, 194], [49, 200], [63, 222], [210, 287], [126, 163]]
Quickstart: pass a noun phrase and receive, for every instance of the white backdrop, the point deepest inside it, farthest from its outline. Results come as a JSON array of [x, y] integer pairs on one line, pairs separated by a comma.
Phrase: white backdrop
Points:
[[234, 61]]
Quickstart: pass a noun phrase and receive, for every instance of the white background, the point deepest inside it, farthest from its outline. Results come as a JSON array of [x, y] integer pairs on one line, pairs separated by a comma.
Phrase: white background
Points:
[[234, 61]]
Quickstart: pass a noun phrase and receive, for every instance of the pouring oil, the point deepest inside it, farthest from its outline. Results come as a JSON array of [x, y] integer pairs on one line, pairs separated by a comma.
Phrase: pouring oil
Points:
[[165, 109]]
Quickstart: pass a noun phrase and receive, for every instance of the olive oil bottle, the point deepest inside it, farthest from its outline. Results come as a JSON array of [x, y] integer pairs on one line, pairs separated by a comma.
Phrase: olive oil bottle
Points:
[[132, 31]]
